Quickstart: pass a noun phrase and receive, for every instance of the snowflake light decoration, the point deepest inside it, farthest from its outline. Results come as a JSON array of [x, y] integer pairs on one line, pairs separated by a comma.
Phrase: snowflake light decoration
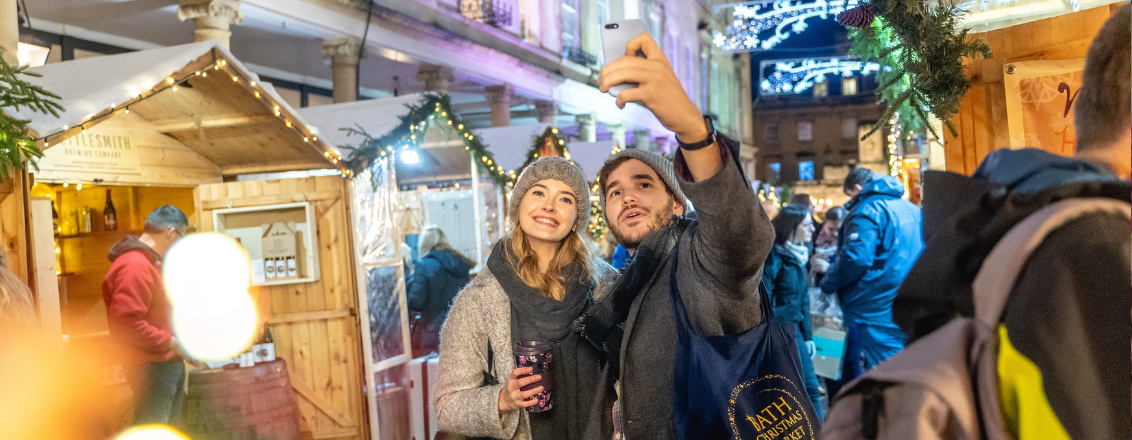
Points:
[[763, 24], [799, 75]]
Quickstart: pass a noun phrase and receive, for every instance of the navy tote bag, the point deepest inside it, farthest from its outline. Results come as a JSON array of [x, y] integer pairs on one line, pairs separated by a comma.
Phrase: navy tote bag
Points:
[[743, 387]]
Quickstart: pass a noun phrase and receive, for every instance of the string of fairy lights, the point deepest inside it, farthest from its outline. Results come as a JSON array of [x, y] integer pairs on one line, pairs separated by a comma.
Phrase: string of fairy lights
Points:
[[175, 83], [895, 159], [597, 226], [406, 138]]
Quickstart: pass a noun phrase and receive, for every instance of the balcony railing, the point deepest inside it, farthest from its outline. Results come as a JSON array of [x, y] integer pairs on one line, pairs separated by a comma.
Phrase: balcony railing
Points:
[[577, 55], [495, 13]]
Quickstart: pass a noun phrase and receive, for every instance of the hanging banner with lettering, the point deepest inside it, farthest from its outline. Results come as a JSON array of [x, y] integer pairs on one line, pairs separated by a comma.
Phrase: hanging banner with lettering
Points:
[[1039, 104], [94, 151]]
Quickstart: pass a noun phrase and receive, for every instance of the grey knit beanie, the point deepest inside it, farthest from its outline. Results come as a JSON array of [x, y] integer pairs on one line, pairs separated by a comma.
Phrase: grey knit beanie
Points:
[[658, 163], [557, 168]]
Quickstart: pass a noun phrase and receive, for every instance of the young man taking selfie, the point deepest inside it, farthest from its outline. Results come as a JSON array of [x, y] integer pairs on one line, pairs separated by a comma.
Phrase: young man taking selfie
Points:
[[644, 197]]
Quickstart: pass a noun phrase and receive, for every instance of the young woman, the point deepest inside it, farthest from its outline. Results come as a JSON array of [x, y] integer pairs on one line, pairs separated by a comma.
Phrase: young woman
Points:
[[437, 277], [825, 245], [786, 279], [537, 281]]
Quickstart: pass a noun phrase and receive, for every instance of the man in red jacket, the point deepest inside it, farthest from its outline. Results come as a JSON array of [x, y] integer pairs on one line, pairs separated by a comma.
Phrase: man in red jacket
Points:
[[141, 319]]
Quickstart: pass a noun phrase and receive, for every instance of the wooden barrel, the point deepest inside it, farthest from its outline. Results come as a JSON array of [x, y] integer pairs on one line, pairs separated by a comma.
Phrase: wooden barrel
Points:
[[250, 403]]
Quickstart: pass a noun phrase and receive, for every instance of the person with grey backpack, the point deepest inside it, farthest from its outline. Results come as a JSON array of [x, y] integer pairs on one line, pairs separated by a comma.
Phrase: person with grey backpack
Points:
[[1018, 308]]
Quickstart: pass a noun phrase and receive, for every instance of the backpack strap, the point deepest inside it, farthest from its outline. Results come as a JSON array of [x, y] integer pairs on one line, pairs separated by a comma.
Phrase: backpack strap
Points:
[[999, 272]]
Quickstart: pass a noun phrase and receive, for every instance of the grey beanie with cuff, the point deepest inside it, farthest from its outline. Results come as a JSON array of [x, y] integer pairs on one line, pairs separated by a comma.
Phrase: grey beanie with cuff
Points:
[[660, 164], [562, 170]]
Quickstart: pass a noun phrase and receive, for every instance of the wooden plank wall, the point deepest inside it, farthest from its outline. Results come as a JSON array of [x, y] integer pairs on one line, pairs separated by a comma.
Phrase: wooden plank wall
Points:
[[981, 121], [314, 325]]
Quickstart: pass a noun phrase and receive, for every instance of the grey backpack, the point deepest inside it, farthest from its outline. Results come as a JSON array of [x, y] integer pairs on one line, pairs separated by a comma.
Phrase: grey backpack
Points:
[[944, 386]]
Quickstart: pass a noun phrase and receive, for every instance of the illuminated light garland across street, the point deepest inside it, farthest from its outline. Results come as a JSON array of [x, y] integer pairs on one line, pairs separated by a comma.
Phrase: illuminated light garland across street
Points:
[[748, 23], [798, 75]]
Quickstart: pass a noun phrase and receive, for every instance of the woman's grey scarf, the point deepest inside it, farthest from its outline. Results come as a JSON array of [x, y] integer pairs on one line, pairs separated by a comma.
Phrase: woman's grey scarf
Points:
[[603, 324], [575, 365]]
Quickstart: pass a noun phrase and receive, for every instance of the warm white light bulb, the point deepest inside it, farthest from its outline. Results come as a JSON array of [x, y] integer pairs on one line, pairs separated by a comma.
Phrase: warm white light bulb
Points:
[[410, 157]]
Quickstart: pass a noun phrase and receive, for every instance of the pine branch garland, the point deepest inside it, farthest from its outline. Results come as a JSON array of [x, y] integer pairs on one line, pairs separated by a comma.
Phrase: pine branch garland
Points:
[[538, 144], [17, 148], [432, 110], [925, 52]]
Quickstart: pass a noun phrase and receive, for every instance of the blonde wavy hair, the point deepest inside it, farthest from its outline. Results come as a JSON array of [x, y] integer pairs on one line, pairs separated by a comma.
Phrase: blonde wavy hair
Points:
[[17, 309], [575, 247]]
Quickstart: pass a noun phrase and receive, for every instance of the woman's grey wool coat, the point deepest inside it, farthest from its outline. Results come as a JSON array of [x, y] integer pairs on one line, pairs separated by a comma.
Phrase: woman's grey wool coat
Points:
[[481, 315]]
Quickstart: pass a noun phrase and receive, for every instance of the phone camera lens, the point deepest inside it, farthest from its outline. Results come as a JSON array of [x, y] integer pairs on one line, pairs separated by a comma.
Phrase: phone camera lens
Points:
[[611, 26]]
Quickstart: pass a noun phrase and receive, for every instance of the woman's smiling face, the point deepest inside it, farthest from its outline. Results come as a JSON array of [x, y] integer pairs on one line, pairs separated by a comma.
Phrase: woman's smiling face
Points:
[[548, 211]]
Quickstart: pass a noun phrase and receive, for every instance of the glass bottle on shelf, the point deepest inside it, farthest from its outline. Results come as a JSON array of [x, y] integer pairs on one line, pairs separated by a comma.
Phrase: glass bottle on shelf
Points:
[[69, 222], [109, 214], [84, 220]]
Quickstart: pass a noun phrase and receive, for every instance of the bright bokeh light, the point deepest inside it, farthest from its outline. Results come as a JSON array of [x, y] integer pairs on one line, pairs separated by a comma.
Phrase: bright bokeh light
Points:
[[205, 264], [151, 432], [410, 157], [217, 330], [206, 278]]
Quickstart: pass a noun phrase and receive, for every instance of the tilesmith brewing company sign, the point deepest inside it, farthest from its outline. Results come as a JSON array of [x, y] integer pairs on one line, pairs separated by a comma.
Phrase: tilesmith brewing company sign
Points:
[[93, 152]]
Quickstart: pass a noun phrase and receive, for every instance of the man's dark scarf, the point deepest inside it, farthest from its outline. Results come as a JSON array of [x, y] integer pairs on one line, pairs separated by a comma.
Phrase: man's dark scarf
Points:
[[603, 324]]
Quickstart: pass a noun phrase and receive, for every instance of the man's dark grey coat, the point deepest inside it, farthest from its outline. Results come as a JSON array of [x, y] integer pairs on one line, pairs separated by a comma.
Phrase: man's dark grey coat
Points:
[[721, 257]]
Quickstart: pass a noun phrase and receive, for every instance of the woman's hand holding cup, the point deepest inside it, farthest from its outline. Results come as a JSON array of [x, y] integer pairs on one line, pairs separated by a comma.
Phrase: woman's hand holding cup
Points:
[[512, 397]]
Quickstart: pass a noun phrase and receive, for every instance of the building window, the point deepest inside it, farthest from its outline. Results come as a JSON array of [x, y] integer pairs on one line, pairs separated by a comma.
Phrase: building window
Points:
[[714, 84], [770, 133], [690, 70], [849, 128], [821, 89], [775, 171], [655, 22], [632, 9], [725, 106], [704, 90], [806, 170], [848, 86], [602, 11], [805, 131], [570, 40], [672, 51], [527, 9]]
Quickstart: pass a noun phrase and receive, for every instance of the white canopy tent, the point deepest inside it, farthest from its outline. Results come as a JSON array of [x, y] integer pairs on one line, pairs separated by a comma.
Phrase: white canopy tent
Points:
[[92, 85]]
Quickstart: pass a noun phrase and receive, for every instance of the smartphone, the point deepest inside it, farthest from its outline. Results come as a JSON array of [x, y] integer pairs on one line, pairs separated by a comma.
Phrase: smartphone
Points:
[[614, 36]]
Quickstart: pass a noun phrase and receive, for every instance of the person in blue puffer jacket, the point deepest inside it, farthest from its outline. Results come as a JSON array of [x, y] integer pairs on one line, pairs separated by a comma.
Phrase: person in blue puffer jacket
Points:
[[878, 244]]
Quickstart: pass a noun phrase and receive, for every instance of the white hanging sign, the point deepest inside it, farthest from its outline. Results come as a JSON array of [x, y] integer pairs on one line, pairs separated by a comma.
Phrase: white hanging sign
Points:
[[94, 151]]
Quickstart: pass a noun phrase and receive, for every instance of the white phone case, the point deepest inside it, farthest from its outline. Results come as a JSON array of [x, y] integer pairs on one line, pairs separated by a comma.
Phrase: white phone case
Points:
[[614, 36]]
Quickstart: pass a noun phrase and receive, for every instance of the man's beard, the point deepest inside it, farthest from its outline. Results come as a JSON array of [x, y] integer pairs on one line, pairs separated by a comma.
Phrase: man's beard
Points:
[[656, 221]]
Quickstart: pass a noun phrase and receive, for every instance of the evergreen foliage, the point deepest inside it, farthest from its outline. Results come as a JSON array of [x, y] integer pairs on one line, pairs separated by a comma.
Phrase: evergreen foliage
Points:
[[433, 109], [538, 143], [17, 148], [920, 42]]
